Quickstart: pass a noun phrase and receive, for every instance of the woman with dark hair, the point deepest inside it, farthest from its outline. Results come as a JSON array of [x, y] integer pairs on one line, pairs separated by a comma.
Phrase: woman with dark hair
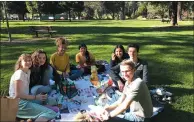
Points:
[[42, 73], [84, 59], [118, 55]]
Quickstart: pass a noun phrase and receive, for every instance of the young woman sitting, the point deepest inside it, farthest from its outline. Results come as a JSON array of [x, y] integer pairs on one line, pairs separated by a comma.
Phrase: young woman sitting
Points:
[[43, 74], [19, 88], [118, 55], [86, 59]]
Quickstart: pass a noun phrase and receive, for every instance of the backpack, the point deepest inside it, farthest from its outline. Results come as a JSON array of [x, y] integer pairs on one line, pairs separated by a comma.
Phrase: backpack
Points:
[[67, 88]]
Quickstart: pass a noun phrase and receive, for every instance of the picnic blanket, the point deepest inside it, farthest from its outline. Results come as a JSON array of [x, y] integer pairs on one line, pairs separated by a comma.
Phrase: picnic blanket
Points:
[[87, 96]]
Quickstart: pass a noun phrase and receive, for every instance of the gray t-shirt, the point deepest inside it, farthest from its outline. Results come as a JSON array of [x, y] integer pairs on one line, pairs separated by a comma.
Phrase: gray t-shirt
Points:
[[137, 92]]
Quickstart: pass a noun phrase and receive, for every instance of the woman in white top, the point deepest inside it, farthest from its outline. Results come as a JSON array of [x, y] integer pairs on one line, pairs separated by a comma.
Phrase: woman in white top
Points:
[[19, 88]]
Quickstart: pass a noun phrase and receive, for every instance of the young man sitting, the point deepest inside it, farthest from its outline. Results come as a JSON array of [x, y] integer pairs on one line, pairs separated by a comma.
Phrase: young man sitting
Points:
[[135, 98]]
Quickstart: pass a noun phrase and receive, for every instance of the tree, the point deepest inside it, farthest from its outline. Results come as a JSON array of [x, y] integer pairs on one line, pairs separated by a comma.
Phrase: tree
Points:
[[97, 7], [179, 11], [172, 10], [50, 7], [32, 7], [187, 7], [131, 8], [100, 10], [123, 10], [113, 7], [159, 8], [5, 11], [89, 13], [174, 13], [78, 7], [134, 7], [142, 9], [68, 6], [1, 12], [17, 7]]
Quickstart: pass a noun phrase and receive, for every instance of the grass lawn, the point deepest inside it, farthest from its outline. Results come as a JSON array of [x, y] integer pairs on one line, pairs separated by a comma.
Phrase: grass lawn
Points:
[[168, 50]]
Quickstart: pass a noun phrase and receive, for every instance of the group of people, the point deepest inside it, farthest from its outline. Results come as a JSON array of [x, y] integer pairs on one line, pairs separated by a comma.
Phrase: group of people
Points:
[[34, 73], [130, 75]]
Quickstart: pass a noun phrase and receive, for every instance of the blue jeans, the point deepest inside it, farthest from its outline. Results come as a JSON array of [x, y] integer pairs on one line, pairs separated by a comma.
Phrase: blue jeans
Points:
[[128, 117], [39, 89], [48, 74], [74, 74], [132, 117], [35, 90]]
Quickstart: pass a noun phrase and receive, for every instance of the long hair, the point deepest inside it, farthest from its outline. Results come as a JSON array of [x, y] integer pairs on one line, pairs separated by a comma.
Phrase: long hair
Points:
[[35, 60], [21, 57], [124, 56], [87, 53], [37, 70]]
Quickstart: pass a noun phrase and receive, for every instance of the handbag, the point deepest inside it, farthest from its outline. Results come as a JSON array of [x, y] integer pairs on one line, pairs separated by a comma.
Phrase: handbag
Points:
[[9, 108], [68, 88]]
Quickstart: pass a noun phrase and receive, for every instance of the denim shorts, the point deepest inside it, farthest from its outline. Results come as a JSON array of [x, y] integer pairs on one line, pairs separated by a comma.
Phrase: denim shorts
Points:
[[132, 117]]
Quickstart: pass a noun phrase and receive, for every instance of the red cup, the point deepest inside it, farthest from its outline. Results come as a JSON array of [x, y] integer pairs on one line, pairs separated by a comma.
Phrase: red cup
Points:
[[110, 82]]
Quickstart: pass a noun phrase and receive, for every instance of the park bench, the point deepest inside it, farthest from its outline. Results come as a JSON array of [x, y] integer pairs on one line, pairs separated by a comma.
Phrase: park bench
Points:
[[42, 29], [165, 20]]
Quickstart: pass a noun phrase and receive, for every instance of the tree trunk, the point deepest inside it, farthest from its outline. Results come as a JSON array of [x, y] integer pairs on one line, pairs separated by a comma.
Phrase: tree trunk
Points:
[[20, 16], [23, 17], [69, 15], [79, 15], [40, 15], [8, 31], [174, 13], [170, 12], [187, 15], [32, 16], [123, 11], [113, 15], [179, 12], [1, 14], [3, 20], [54, 17]]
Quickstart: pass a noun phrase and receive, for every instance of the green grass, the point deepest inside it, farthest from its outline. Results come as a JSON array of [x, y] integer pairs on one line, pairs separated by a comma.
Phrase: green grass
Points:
[[168, 50]]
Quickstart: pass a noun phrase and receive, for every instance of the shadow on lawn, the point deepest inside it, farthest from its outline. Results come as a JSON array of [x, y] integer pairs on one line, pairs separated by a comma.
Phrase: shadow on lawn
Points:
[[142, 40], [100, 29], [171, 115], [158, 69]]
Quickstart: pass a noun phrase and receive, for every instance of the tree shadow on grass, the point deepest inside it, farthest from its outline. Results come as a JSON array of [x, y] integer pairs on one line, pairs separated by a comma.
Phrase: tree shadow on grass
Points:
[[171, 115], [100, 29], [159, 70], [160, 74], [141, 40]]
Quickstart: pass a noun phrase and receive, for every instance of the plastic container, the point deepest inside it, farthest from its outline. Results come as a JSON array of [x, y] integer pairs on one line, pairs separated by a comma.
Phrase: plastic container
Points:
[[94, 76]]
